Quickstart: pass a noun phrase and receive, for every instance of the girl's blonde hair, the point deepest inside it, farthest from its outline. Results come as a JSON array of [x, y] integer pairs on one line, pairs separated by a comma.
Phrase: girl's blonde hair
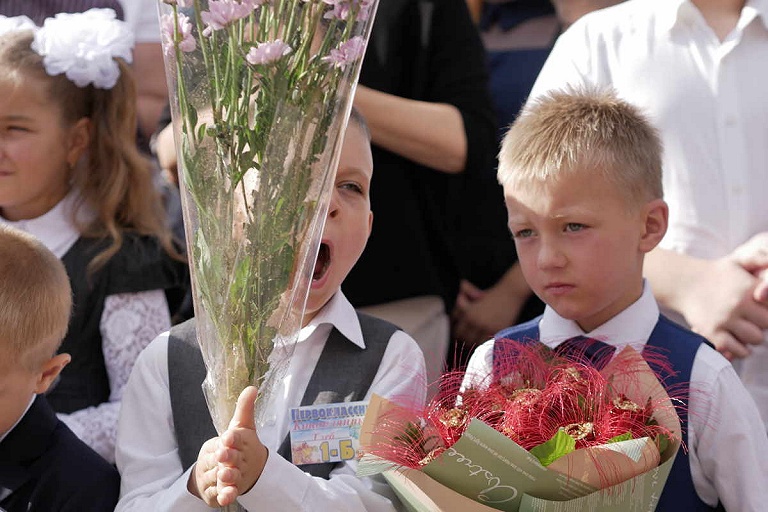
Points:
[[114, 179]]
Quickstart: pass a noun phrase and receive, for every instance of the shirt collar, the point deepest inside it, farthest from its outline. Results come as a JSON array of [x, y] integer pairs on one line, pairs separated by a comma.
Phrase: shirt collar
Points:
[[338, 313], [672, 12], [760, 8], [5, 434], [632, 326], [54, 228]]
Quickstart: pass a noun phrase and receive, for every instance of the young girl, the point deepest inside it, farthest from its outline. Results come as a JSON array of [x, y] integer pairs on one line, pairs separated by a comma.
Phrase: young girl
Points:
[[70, 174]]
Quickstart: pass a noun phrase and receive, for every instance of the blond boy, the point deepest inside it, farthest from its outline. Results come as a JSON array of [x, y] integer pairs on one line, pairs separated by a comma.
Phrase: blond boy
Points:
[[37, 451], [581, 172]]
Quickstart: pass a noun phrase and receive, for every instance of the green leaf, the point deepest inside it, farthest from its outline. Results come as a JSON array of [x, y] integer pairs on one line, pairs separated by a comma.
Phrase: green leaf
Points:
[[623, 437], [548, 452], [662, 442], [192, 115], [201, 131]]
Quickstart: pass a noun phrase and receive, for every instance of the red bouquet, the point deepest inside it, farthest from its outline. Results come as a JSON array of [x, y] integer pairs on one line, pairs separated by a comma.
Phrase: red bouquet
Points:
[[566, 427]]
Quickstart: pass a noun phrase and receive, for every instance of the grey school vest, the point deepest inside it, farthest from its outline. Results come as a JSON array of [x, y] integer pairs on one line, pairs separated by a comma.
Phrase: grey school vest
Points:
[[328, 384]]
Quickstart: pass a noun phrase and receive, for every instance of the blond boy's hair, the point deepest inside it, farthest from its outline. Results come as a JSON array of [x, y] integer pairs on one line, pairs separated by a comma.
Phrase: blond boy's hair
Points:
[[35, 297], [575, 130]]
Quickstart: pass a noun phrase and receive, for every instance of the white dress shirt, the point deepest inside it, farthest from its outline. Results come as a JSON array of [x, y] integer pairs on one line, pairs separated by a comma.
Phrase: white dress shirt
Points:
[[128, 323], [141, 16], [727, 445], [147, 452], [708, 99]]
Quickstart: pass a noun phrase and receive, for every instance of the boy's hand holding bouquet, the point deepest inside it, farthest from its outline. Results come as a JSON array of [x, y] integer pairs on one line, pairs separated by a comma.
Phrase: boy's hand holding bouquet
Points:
[[548, 430]]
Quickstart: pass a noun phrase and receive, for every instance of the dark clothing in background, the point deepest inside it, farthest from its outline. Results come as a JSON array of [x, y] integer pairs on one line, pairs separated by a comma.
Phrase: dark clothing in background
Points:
[[38, 10], [430, 51]]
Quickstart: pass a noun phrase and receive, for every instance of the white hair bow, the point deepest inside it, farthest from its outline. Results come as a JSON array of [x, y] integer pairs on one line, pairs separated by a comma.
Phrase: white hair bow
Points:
[[83, 46]]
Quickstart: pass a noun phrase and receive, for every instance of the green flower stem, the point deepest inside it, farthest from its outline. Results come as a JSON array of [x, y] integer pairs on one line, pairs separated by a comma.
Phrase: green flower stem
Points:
[[289, 31], [278, 120], [204, 51]]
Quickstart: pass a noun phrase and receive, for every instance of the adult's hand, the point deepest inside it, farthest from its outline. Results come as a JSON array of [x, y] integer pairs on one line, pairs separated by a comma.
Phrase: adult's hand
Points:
[[716, 297], [479, 314], [753, 257]]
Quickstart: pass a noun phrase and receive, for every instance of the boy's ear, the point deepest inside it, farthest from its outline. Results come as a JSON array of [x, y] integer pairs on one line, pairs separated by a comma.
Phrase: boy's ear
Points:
[[370, 222], [79, 140], [655, 221], [50, 370]]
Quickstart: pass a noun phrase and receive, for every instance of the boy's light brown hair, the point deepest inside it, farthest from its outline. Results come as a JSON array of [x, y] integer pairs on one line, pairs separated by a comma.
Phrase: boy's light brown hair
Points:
[[577, 130], [35, 298]]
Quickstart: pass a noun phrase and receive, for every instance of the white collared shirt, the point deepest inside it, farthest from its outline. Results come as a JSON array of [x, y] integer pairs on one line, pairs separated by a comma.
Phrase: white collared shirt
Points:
[[708, 98], [147, 452], [142, 17], [728, 447], [54, 228]]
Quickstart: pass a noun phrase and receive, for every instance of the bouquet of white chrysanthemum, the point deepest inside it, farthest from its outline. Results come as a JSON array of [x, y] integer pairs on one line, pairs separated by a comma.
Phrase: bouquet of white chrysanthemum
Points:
[[261, 92]]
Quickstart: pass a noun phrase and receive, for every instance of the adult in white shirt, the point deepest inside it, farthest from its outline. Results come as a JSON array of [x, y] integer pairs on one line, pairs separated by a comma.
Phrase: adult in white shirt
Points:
[[698, 68]]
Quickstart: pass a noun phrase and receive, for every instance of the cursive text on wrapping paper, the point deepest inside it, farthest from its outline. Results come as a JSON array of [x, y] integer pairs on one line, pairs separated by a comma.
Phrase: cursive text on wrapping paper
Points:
[[504, 493]]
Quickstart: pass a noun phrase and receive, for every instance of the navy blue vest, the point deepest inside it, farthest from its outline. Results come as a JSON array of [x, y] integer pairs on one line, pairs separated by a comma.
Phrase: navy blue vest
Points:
[[679, 346]]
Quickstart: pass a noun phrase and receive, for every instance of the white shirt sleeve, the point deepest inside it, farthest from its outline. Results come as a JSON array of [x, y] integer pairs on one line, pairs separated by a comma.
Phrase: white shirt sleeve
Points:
[[480, 367], [727, 440], [151, 471], [147, 455], [128, 324], [141, 16]]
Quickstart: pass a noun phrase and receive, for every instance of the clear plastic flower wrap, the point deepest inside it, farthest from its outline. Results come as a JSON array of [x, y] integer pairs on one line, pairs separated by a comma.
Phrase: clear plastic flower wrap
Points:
[[259, 103]]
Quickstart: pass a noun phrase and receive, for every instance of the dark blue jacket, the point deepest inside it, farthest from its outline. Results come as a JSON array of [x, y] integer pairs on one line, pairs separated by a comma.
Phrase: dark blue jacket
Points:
[[44, 467]]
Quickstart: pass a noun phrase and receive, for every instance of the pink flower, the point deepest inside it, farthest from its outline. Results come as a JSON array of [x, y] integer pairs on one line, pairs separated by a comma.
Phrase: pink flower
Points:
[[347, 52], [342, 8], [221, 13], [266, 53], [186, 43]]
